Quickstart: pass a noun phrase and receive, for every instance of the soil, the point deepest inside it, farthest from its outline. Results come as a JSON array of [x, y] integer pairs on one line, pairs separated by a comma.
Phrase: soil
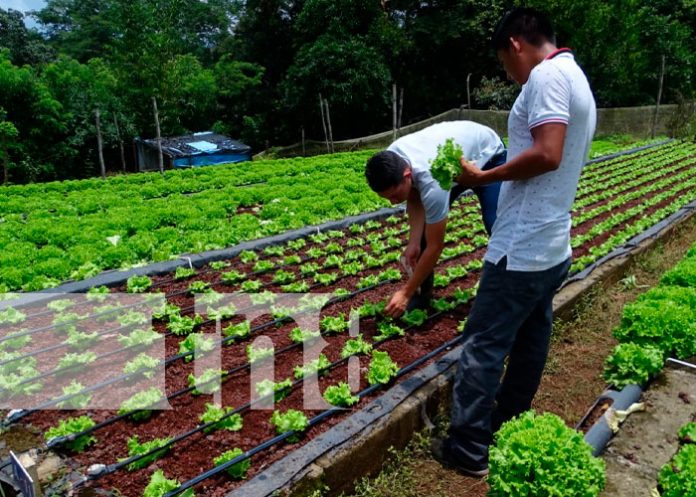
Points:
[[572, 377]]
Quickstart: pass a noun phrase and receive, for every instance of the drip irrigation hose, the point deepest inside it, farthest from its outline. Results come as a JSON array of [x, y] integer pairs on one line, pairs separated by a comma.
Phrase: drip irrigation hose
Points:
[[312, 422], [16, 416], [115, 467]]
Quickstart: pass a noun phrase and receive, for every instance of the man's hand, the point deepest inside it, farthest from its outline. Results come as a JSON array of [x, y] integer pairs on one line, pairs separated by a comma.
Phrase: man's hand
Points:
[[411, 254], [471, 175], [397, 305]]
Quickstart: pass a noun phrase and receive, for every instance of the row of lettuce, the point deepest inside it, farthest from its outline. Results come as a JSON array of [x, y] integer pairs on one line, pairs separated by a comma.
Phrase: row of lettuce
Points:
[[661, 323], [539, 455], [73, 230], [52, 236]]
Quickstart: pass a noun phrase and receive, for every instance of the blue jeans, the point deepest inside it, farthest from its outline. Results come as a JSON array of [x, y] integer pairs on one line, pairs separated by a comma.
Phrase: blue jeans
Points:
[[511, 317]]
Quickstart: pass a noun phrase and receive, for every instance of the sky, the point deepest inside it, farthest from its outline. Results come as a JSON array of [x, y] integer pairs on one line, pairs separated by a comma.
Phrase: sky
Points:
[[23, 6]]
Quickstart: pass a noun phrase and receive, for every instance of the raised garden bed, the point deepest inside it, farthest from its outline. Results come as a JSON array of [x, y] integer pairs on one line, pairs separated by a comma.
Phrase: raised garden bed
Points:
[[192, 456]]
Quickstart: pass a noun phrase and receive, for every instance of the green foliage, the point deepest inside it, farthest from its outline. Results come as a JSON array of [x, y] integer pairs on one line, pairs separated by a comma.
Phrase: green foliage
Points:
[[78, 401], [388, 329], [687, 433], [445, 167], [340, 395], [222, 418], [666, 324], [139, 404], [198, 342], [332, 325], [183, 325], [683, 274], [317, 365], [678, 477], [144, 336], [159, 486], [298, 335], [256, 354], [356, 346], [135, 448], [70, 426], [630, 363], [138, 284], [238, 330], [279, 390], [183, 272], [416, 317], [72, 362], [237, 470], [540, 455], [382, 368], [207, 383], [291, 420], [143, 363]]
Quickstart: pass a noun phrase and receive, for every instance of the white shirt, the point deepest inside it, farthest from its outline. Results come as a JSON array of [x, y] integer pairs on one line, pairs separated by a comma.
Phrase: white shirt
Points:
[[479, 143], [533, 224]]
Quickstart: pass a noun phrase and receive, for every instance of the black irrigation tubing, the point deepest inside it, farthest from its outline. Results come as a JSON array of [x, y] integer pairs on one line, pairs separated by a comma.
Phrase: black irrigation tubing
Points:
[[312, 422], [630, 151], [23, 413], [674, 163], [190, 308], [117, 466], [176, 357], [255, 273], [652, 191], [114, 419]]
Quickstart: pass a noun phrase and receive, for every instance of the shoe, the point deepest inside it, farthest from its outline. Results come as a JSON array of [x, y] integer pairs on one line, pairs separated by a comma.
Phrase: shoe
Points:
[[419, 302], [442, 454]]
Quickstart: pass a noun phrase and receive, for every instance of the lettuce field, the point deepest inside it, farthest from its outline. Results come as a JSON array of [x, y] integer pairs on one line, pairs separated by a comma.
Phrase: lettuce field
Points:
[[213, 437]]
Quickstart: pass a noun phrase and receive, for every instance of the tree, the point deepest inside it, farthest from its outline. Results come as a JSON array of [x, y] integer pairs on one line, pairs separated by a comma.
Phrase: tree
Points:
[[8, 136], [26, 47]]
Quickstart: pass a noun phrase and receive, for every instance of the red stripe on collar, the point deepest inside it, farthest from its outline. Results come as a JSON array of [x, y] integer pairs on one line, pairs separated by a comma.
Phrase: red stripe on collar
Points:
[[557, 52]]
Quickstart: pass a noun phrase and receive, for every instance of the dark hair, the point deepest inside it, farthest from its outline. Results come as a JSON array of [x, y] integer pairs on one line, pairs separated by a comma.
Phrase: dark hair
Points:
[[384, 170], [524, 22]]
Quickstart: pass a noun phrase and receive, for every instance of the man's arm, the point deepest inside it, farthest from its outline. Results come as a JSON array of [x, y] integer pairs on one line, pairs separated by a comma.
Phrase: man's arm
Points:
[[435, 239], [416, 222], [543, 156]]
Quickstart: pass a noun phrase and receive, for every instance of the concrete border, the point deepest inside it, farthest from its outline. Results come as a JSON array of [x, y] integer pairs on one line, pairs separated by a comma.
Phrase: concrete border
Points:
[[359, 444]]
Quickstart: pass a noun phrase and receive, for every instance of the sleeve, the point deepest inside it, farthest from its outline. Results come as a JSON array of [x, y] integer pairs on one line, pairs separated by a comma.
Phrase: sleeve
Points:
[[435, 202], [548, 96]]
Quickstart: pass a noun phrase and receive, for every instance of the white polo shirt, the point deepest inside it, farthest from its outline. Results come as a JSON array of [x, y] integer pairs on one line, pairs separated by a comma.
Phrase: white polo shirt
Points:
[[479, 144], [533, 224]]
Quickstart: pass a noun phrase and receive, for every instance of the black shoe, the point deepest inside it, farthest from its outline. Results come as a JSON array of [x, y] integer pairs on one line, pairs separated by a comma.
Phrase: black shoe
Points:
[[442, 454], [419, 301]]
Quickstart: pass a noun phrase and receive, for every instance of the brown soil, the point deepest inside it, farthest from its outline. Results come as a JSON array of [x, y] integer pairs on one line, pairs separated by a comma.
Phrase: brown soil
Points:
[[570, 384]]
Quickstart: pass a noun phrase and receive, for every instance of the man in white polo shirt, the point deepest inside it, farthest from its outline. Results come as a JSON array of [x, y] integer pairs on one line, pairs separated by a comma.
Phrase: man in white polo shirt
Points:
[[402, 173], [550, 130]]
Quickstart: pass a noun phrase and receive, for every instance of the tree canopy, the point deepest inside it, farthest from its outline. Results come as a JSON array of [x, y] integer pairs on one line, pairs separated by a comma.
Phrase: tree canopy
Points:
[[255, 68]]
